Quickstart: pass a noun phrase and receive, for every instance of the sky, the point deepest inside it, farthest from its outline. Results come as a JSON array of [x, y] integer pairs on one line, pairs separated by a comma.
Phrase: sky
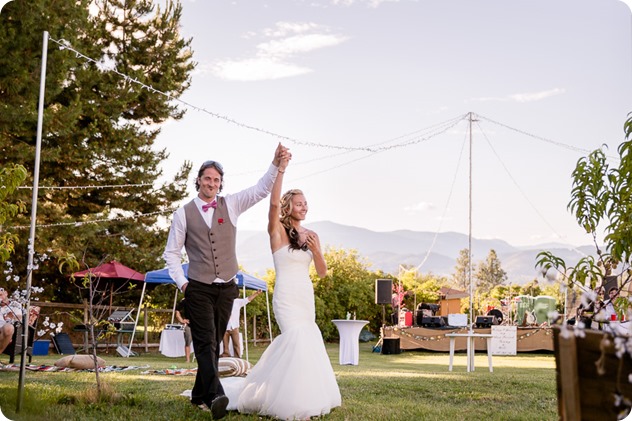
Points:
[[372, 97]]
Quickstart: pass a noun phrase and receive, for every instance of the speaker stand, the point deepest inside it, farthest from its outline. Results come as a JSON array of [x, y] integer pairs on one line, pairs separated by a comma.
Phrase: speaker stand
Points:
[[380, 343]]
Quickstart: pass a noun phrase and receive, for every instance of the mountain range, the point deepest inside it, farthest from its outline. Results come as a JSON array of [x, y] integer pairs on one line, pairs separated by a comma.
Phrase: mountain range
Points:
[[386, 251]]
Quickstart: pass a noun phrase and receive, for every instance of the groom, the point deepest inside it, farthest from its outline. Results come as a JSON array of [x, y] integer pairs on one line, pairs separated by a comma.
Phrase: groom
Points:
[[206, 228]]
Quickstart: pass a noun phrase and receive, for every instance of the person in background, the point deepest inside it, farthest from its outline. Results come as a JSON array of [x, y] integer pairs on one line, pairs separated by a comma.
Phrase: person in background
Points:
[[183, 320], [10, 312], [590, 305], [232, 329], [206, 227]]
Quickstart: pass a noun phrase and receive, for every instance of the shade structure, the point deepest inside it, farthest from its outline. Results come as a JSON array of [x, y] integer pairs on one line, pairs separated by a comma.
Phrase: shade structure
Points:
[[111, 270], [244, 281]]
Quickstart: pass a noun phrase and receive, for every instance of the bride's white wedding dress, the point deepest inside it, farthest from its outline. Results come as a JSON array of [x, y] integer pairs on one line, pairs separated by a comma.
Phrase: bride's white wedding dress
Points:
[[294, 378]]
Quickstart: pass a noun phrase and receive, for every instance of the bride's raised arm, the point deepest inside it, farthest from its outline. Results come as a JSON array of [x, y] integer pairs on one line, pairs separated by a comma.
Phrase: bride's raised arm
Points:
[[274, 222]]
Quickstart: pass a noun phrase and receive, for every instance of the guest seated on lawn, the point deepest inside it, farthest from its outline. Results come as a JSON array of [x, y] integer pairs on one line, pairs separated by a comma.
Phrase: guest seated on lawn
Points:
[[10, 312]]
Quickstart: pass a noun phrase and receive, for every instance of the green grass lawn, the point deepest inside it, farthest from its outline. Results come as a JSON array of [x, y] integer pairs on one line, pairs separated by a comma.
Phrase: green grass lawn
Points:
[[407, 386]]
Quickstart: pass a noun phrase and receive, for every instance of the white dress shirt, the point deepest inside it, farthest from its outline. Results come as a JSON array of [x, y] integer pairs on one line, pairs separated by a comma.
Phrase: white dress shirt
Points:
[[236, 203], [238, 304]]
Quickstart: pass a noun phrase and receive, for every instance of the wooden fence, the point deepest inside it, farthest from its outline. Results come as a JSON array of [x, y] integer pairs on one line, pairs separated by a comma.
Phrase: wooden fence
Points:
[[150, 324]]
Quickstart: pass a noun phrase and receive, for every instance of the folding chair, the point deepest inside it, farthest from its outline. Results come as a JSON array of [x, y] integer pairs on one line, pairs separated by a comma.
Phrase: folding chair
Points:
[[124, 323], [63, 345], [15, 347]]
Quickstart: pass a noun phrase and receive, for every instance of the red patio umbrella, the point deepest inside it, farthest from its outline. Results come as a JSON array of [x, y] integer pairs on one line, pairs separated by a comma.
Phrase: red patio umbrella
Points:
[[111, 271]]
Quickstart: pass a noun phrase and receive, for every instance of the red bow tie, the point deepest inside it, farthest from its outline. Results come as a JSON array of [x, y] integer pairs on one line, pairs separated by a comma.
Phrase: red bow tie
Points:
[[213, 205]]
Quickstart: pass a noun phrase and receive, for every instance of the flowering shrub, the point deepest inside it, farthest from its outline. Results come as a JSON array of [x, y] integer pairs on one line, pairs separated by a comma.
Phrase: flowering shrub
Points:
[[20, 296], [49, 327]]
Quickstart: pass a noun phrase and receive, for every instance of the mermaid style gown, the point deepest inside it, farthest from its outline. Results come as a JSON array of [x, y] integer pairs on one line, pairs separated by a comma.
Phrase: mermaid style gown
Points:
[[294, 378]]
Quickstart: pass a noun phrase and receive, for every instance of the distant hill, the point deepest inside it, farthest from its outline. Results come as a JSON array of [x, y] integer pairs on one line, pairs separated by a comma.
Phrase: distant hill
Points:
[[388, 250]]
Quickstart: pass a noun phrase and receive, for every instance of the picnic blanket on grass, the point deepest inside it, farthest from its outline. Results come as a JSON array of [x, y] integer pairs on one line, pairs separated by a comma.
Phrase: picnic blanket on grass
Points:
[[227, 367], [52, 368], [173, 371]]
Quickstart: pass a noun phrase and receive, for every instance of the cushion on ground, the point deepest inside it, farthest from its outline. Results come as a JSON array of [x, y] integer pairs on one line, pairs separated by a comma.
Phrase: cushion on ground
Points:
[[231, 366], [79, 361]]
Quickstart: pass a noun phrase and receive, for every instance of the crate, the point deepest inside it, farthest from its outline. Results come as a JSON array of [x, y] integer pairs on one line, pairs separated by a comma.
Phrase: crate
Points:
[[40, 347]]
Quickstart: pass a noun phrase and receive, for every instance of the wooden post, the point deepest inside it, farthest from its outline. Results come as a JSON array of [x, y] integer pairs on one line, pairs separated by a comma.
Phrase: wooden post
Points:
[[145, 324], [569, 405], [254, 330]]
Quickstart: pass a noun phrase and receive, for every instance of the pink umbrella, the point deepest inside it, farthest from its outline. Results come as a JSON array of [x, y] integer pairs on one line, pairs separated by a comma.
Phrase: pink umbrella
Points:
[[111, 271]]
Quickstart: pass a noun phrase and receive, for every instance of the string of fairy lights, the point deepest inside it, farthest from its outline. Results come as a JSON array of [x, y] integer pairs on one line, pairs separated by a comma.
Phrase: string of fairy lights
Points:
[[90, 187], [65, 45], [405, 140], [417, 335], [96, 221]]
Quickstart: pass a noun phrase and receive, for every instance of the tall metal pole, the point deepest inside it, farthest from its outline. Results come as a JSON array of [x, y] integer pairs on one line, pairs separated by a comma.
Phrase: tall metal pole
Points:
[[29, 268], [469, 244]]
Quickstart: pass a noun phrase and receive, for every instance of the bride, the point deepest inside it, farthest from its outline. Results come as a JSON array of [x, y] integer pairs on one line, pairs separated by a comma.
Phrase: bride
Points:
[[294, 378]]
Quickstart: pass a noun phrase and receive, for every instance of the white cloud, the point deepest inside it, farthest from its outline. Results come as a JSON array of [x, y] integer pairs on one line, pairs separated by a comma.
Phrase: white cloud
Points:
[[272, 59], [298, 44], [528, 97], [524, 97], [257, 69], [419, 207], [370, 3], [283, 29]]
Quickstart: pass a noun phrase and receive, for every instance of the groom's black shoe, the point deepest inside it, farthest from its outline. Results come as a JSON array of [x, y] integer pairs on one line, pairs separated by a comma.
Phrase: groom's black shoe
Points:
[[218, 406]]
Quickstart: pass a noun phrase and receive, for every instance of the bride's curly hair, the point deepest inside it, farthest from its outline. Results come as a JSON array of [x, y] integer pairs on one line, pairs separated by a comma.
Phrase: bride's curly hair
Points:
[[286, 211]]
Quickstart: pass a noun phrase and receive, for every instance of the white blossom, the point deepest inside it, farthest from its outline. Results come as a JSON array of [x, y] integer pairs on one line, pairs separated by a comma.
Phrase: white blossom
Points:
[[565, 332]]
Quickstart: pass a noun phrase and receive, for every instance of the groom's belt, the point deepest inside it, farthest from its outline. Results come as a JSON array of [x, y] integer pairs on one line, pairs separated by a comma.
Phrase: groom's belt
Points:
[[232, 281], [220, 284]]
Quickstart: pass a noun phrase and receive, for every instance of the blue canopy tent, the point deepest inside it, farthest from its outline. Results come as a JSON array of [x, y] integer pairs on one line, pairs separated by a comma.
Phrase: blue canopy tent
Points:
[[244, 281]]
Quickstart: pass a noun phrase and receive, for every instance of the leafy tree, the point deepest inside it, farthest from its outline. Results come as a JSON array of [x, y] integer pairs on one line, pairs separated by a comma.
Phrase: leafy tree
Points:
[[600, 199], [505, 292], [555, 290], [348, 287], [11, 177], [99, 127], [422, 288], [490, 273], [461, 278]]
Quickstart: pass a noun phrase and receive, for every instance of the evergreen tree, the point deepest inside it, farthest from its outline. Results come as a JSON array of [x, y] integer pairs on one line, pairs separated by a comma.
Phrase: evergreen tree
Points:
[[460, 277], [99, 127], [490, 273]]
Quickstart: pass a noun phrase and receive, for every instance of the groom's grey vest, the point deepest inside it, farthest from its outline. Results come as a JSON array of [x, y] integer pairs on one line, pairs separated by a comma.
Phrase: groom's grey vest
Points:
[[211, 251]]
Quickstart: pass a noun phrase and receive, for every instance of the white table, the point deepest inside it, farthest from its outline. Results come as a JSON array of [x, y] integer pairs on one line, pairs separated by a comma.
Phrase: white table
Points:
[[172, 343], [349, 340], [470, 337]]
